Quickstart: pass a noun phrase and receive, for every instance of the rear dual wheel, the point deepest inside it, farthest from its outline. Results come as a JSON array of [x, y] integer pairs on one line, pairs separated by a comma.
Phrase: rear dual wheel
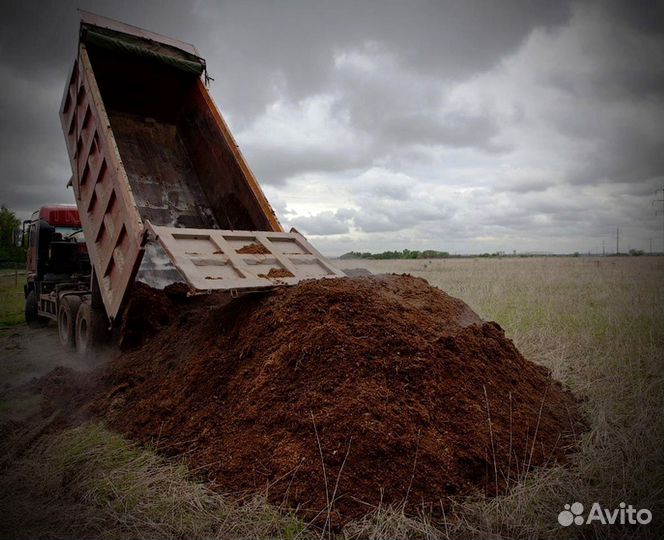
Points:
[[80, 326], [91, 329], [67, 312]]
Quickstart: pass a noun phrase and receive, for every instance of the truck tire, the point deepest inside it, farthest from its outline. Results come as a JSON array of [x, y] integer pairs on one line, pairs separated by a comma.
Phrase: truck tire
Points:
[[31, 313], [91, 330], [67, 312]]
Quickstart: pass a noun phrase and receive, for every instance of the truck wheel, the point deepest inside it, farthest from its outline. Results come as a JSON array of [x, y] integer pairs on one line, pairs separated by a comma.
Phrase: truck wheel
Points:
[[67, 320], [31, 313], [91, 329]]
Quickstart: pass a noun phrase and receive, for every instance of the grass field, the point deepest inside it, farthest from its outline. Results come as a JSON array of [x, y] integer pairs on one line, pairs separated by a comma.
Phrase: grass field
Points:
[[596, 323], [11, 298]]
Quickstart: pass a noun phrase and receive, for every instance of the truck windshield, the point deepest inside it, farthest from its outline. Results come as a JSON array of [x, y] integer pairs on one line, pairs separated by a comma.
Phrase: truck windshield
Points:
[[73, 232]]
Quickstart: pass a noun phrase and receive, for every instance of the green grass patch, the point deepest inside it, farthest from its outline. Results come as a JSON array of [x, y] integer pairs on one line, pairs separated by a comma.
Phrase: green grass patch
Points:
[[11, 301]]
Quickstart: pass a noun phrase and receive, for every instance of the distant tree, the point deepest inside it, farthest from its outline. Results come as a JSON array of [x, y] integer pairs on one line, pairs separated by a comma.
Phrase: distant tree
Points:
[[9, 224], [636, 252], [351, 255]]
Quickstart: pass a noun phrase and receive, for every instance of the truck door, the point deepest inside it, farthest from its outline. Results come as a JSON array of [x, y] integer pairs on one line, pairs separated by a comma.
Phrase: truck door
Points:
[[32, 251]]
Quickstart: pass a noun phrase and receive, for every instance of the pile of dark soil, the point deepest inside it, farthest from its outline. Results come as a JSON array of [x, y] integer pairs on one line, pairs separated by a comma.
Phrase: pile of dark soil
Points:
[[359, 391]]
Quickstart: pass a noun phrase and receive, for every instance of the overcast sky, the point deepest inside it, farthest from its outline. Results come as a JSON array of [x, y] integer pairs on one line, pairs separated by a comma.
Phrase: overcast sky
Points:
[[465, 126]]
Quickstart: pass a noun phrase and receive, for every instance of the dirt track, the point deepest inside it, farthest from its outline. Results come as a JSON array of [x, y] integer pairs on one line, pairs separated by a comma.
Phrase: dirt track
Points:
[[27, 353]]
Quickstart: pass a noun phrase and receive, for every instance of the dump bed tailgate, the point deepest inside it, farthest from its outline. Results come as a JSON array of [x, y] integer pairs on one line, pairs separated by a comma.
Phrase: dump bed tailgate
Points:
[[241, 260]]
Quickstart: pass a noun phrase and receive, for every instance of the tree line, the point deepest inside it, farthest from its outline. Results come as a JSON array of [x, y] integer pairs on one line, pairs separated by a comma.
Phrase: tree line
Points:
[[405, 254], [9, 225]]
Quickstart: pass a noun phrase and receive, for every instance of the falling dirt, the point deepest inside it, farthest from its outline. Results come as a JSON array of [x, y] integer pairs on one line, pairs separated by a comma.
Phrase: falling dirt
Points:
[[255, 249], [338, 394], [276, 273]]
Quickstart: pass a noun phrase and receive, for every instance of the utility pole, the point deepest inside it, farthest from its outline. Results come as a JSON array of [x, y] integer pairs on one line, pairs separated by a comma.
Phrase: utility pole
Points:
[[617, 240], [603, 249], [657, 210]]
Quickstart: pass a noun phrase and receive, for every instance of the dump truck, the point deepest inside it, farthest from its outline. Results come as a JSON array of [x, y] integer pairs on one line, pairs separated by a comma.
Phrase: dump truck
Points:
[[162, 190]]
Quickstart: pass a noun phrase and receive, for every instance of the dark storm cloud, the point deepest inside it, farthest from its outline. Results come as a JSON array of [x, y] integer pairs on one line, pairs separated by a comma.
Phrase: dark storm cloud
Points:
[[274, 165], [256, 51], [256, 42], [620, 96], [454, 130], [641, 16], [550, 111]]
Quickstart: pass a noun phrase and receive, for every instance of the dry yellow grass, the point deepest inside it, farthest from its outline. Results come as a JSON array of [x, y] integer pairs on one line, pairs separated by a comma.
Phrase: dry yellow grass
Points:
[[598, 324]]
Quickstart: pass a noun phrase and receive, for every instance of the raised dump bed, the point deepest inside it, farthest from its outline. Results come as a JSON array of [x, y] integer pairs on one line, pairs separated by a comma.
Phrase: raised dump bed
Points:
[[148, 146]]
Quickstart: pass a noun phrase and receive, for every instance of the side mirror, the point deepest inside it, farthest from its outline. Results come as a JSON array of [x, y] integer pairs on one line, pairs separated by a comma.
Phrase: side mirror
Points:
[[21, 237]]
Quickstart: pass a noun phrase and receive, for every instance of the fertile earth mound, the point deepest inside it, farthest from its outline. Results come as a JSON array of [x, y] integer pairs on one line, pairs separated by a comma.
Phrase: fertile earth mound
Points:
[[337, 394]]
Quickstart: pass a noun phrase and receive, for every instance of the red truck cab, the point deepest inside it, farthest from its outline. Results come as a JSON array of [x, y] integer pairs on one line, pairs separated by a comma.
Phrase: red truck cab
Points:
[[57, 261], [64, 218]]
